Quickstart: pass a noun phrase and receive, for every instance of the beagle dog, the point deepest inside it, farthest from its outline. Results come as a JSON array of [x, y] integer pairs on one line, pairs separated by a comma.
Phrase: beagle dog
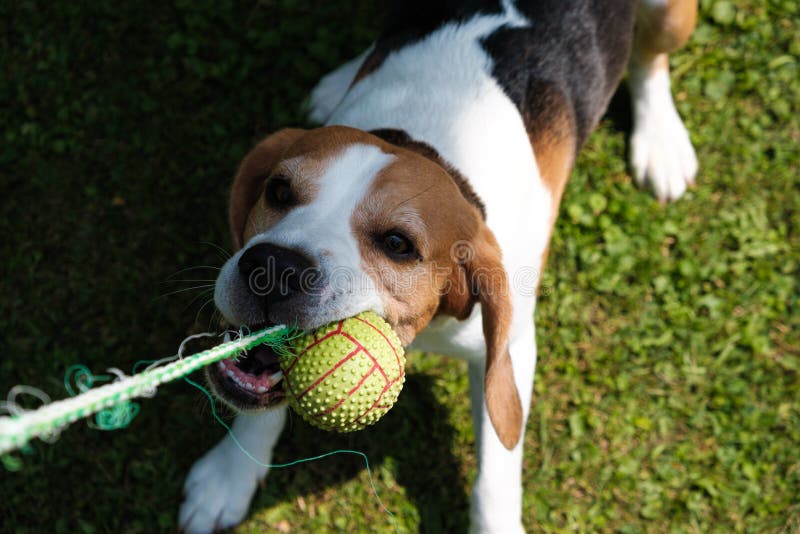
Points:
[[429, 197]]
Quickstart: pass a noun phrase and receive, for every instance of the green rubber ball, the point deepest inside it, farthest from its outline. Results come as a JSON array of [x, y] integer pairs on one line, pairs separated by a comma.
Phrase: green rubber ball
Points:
[[346, 375]]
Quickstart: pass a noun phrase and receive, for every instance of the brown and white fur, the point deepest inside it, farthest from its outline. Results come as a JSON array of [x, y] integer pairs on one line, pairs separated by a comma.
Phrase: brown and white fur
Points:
[[429, 197]]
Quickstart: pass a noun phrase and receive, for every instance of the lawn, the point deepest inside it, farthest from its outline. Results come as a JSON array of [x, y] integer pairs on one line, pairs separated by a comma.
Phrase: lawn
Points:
[[667, 397]]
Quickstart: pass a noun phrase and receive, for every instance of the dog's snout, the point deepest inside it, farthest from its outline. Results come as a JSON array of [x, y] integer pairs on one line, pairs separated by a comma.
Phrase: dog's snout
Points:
[[275, 271]]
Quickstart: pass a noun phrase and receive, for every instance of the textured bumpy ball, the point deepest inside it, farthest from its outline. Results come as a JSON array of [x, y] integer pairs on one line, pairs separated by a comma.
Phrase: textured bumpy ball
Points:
[[346, 375]]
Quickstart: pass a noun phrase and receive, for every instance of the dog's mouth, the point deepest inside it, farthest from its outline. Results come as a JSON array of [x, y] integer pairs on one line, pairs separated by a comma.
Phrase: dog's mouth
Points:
[[252, 381]]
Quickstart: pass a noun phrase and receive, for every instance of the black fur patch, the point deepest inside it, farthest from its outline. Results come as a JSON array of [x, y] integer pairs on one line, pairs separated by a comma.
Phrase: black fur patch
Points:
[[572, 54], [402, 139]]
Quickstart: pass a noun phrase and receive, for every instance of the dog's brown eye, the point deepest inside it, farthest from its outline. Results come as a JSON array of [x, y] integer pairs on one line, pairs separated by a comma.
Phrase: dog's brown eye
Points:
[[279, 192], [397, 245]]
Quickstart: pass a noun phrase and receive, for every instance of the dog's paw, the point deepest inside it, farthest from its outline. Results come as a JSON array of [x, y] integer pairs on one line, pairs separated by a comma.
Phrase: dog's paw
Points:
[[218, 491], [661, 153]]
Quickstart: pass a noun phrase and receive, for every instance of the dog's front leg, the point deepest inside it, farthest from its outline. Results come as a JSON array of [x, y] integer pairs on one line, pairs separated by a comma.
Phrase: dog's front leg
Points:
[[497, 493], [221, 484]]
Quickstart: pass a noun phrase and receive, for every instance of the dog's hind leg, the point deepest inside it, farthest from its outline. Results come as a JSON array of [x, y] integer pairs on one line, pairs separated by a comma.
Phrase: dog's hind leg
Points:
[[331, 89], [661, 154]]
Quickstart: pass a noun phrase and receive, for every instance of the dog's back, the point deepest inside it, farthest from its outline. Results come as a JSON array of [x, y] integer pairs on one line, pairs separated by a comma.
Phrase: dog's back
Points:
[[567, 61]]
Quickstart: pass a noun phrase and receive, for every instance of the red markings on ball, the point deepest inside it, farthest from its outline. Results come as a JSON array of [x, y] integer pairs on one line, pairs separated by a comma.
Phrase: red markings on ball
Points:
[[316, 342], [359, 348]]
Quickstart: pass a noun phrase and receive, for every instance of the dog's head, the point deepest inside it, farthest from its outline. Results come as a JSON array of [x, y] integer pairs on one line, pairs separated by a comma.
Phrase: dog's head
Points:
[[334, 221]]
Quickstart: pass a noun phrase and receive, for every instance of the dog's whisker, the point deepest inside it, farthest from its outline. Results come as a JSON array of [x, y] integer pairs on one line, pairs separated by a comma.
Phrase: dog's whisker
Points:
[[215, 315], [194, 268], [196, 297], [206, 303], [194, 280], [412, 197], [224, 253], [206, 286]]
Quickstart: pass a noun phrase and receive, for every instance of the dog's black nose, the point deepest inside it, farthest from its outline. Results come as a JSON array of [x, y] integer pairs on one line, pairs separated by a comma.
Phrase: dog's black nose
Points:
[[276, 272]]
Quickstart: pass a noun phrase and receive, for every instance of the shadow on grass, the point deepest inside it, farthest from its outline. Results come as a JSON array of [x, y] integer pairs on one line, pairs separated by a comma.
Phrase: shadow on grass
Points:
[[619, 114], [413, 436]]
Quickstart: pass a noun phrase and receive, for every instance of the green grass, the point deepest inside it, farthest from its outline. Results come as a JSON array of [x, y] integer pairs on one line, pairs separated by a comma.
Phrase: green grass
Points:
[[667, 393]]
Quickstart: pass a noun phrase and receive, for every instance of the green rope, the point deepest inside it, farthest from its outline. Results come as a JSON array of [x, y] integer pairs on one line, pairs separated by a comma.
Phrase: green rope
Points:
[[113, 408], [113, 418], [111, 401]]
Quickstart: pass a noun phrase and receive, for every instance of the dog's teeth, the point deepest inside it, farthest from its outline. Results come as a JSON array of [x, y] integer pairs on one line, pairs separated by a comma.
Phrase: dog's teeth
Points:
[[248, 386], [230, 374], [277, 377], [227, 337], [261, 389], [221, 365]]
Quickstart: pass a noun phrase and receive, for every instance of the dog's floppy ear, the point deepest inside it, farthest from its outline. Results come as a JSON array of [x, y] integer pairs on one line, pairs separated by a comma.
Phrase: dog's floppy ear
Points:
[[482, 278], [255, 167]]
